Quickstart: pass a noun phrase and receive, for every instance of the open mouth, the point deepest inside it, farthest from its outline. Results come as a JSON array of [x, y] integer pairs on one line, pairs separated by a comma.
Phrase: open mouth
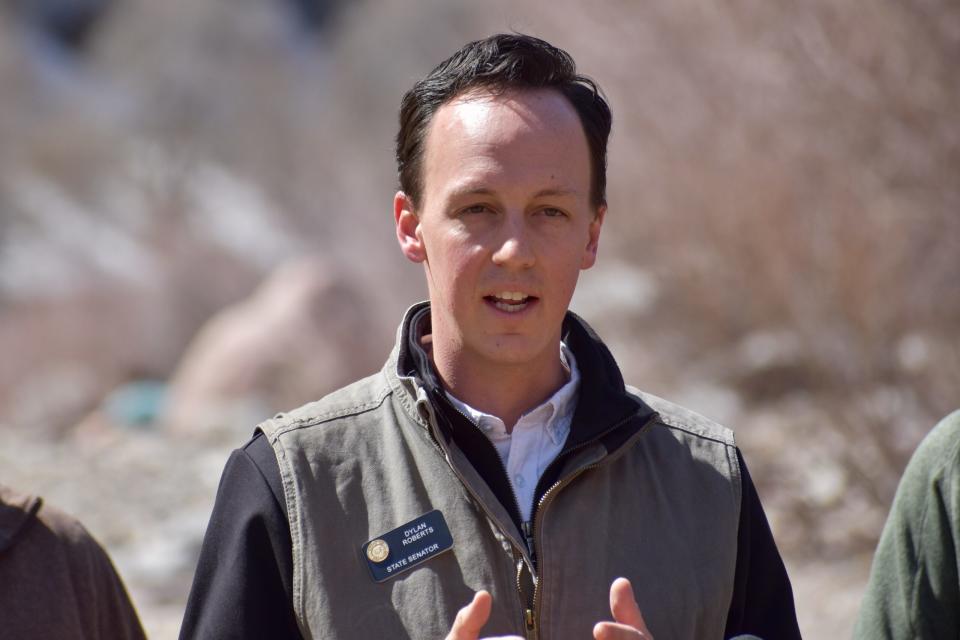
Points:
[[510, 301]]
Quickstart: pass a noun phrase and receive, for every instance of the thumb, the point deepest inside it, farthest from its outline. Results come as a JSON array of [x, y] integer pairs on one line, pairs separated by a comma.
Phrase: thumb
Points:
[[471, 618], [624, 606]]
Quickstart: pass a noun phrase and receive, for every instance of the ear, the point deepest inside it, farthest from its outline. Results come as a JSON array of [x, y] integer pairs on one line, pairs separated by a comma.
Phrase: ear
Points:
[[408, 228], [593, 238]]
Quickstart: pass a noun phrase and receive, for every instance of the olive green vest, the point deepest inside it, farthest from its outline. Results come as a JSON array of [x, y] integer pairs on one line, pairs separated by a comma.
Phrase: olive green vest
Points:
[[661, 509]]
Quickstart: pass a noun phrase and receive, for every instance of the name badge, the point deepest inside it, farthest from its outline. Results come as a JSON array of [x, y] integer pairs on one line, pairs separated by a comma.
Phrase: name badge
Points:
[[407, 546]]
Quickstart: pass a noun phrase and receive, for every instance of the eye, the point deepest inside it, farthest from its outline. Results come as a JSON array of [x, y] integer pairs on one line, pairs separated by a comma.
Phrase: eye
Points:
[[553, 212], [476, 208]]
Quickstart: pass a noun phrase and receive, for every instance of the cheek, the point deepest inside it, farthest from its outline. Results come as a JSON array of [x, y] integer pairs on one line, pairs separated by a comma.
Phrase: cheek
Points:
[[458, 266], [567, 256], [565, 270]]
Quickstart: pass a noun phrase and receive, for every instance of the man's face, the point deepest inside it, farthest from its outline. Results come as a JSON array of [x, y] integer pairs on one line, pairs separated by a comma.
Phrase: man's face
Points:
[[504, 225]]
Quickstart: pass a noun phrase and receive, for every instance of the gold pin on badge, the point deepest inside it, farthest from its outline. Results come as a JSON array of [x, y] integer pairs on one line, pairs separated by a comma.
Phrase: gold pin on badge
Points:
[[378, 550]]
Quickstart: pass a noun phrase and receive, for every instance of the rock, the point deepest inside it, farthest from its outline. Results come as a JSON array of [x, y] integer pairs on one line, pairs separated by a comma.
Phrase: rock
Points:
[[303, 333]]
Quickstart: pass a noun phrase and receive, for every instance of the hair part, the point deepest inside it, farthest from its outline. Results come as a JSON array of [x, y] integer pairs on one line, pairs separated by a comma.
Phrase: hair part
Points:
[[500, 63]]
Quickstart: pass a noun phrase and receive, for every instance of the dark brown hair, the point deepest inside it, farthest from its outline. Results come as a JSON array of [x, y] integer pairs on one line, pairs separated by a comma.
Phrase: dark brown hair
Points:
[[500, 63]]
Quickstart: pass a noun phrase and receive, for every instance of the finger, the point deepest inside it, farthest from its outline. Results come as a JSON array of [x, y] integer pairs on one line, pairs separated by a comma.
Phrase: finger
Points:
[[471, 618], [624, 607], [615, 631]]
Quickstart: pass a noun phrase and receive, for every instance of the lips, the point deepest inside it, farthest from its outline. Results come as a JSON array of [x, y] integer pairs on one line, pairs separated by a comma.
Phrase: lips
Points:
[[510, 301]]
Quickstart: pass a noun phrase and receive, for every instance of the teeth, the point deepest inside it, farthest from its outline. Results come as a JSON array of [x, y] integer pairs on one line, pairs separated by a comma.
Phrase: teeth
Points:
[[510, 308], [510, 301]]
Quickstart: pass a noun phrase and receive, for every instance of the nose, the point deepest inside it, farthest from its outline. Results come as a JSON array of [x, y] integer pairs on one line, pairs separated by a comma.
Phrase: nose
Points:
[[514, 247]]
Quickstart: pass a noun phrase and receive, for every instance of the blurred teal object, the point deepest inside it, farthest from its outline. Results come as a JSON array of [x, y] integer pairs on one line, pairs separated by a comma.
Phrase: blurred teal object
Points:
[[136, 404]]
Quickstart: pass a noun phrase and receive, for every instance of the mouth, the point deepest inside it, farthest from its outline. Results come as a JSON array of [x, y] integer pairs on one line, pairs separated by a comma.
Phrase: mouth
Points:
[[510, 301]]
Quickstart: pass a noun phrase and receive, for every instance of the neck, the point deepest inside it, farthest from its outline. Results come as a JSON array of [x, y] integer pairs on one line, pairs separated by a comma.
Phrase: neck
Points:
[[505, 390]]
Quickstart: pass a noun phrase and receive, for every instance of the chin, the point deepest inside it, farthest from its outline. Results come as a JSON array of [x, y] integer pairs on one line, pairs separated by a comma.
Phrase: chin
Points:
[[514, 350]]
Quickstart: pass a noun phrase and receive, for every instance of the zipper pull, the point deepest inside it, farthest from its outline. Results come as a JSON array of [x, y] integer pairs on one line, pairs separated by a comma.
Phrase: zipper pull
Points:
[[528, 618]]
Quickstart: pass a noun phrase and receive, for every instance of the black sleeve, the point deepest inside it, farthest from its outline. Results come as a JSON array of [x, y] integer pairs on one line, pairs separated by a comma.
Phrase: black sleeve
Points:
[[242, 587], [762, 602]]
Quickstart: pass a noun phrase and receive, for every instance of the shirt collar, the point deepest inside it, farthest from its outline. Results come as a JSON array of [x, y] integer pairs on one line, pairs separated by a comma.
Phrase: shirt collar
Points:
[[558, 407]]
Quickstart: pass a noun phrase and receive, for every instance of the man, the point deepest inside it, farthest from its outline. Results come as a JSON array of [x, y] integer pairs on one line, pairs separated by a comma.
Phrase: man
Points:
[[914, 588], [497, 465]]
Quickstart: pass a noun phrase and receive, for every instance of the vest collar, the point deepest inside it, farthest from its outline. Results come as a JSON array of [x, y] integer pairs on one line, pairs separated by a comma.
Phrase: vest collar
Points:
[[603, 404]]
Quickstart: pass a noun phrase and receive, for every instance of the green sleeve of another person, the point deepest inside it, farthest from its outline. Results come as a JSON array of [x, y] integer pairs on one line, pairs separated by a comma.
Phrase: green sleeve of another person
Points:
[[914, 588]]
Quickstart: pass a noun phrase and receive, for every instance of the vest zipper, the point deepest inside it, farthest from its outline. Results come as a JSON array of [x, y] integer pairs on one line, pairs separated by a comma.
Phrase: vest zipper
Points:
[[540, 507], [529, 620]]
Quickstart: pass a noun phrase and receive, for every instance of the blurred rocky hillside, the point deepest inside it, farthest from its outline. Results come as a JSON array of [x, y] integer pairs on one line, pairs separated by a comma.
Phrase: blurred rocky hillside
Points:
[[195, 232]]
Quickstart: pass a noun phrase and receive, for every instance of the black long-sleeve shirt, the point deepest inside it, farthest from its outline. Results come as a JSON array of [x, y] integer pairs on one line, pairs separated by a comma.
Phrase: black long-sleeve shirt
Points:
[[243, 584]]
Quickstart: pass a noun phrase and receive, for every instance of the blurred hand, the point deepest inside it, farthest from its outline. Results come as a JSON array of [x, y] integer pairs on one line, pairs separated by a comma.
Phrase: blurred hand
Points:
[[471, 618], [628, 622]]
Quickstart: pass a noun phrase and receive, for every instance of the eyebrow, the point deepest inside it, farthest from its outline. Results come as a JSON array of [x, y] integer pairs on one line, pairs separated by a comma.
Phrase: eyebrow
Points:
[[467, 191], [543, 193], [483, 191]]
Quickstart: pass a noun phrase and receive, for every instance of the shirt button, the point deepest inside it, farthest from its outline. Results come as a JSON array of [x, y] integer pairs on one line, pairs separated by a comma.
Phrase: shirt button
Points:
[[519, 481]]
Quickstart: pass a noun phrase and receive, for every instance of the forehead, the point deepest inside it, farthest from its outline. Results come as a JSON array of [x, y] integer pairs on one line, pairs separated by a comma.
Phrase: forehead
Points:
[[515, 140]]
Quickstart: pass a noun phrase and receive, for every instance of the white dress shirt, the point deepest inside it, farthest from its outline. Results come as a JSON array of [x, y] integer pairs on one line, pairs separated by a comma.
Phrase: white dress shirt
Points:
[[537, 437]]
